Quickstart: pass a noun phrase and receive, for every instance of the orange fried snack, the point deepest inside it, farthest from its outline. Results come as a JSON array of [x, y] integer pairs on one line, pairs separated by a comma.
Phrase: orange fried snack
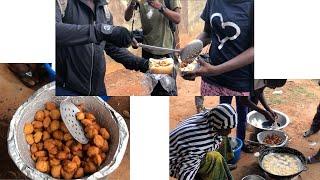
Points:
[[56, 152]]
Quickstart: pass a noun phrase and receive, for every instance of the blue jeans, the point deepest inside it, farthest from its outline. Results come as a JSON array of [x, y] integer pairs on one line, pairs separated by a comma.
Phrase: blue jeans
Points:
[[242, 115], [60, 91]]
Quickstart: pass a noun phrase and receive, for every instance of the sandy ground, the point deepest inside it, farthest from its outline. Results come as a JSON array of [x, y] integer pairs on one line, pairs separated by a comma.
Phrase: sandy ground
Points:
[[299, 101], [13, 94]]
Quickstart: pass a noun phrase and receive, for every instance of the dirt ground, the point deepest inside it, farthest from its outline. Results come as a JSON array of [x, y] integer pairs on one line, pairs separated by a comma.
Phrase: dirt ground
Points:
[[13, 94], [299, 101]]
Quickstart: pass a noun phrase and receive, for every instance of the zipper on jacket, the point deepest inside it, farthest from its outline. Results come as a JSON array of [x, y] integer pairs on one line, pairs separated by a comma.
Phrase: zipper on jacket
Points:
[[91, 70]]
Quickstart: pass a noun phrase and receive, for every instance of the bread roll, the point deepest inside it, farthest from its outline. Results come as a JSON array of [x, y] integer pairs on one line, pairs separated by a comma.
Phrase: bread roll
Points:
[[161, 66]]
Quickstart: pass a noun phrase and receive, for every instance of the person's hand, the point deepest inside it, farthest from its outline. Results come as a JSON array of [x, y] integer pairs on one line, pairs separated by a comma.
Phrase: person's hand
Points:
[[143, 65], [121, 37], [205, 69], [274, 114], [117, 35], [268, 116], [154, 4], [134, 43]]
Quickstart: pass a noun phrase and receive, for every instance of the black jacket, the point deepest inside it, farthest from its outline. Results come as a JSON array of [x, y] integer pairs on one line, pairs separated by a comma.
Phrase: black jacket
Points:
[[80, 61]]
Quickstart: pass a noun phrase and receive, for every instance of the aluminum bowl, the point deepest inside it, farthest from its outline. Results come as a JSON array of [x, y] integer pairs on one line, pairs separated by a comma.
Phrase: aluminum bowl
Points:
[[19, 150], [255, 122], [253, 177], [262, 135]]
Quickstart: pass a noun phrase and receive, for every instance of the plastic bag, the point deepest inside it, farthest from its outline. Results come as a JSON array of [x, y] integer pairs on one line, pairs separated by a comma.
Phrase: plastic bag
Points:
[[167, 82]]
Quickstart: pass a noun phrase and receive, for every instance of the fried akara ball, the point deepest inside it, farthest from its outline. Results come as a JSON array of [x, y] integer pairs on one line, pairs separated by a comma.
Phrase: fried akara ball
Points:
[[56, 171], [28, 128], [50, 106], [98, 141], [54, 149], [93, 150], [43, 166], [39, 116], [104, 133], [55, 114]]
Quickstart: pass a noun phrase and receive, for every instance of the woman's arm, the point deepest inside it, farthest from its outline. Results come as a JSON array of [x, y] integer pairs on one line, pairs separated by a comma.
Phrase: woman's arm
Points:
[[264, 103], [247, 102], [243, 59]]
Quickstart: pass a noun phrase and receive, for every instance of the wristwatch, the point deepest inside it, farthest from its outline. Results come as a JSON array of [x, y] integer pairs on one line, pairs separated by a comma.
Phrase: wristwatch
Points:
[[162, 8]]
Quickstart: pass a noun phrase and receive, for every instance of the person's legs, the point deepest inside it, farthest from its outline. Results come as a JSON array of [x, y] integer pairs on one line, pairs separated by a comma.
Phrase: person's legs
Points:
[[253, 98], [315, 158], [226, 99], [242, 111], [315, 126], [199, 103], [316, 120]]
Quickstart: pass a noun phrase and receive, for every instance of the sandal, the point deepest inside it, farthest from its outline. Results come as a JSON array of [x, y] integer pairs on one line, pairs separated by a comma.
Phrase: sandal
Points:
[[313, 159], [24, 77], [308, 133]]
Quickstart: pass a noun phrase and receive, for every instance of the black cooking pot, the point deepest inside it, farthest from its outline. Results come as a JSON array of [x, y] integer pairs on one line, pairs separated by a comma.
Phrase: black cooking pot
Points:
[[287, 150]]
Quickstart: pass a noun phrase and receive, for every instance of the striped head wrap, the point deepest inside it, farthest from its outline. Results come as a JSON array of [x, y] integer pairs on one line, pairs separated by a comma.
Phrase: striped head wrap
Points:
[[222, 116]]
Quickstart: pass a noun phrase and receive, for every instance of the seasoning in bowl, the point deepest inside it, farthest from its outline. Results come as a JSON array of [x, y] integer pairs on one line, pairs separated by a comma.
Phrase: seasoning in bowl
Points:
[[273, 139]]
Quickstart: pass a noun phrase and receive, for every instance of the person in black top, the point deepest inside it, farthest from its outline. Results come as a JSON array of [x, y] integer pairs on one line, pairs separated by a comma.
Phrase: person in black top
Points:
[[84, 31], [229, 29]]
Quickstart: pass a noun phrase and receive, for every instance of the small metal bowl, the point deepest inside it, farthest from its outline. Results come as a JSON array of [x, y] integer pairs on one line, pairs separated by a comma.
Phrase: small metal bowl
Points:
[[253, 177], [262, 135]]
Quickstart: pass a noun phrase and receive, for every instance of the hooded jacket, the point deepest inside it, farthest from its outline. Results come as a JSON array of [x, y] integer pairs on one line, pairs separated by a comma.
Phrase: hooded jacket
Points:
[[80, 60]]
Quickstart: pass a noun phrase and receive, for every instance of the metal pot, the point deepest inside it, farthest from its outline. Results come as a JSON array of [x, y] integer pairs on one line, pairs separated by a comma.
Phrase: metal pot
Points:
[[255, 122], [287, 150], [19, 150]]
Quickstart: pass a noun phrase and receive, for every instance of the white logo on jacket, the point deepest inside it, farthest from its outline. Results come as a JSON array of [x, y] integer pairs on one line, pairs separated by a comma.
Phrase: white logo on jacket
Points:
[[224, 25]]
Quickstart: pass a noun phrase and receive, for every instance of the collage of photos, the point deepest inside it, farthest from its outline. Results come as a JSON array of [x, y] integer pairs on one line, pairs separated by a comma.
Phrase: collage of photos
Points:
[[70, 118]]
